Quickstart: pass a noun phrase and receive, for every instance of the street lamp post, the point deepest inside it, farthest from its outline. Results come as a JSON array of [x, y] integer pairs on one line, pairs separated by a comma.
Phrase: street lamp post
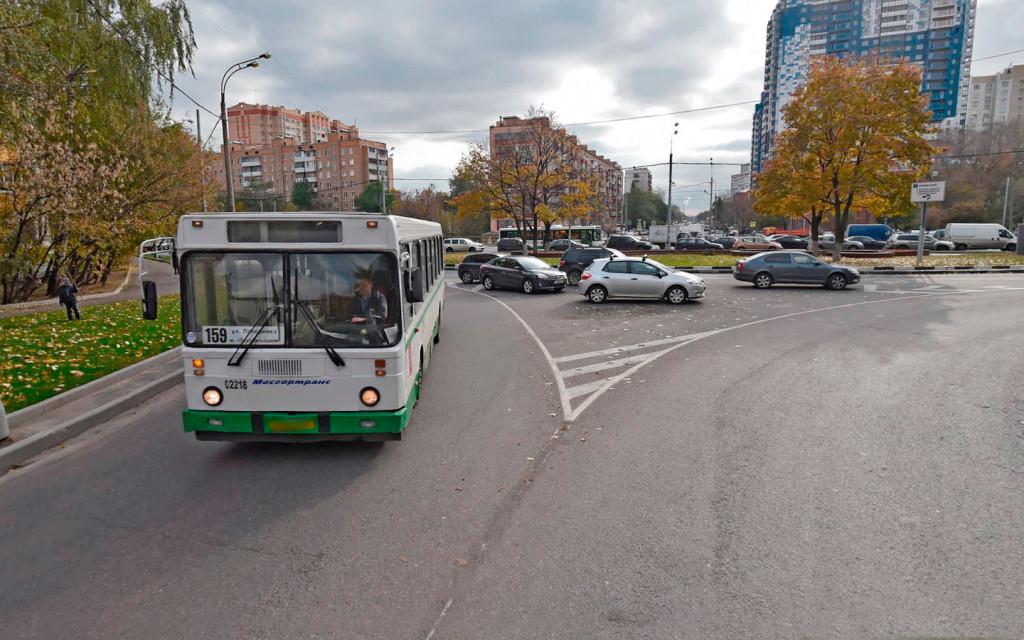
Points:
[[384, 181], [668, 218], [226, 152]]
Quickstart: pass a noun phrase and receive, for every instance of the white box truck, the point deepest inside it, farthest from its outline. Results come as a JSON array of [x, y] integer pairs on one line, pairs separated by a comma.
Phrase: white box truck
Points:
[[966, 236], [665, 235]]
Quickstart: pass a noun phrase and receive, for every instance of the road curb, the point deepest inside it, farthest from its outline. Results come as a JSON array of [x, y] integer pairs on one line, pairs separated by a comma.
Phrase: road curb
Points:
[[19, 452], [31, 412]]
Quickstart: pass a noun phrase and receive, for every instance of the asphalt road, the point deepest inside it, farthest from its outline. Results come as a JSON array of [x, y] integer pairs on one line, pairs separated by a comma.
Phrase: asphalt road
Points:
[[772, 464]]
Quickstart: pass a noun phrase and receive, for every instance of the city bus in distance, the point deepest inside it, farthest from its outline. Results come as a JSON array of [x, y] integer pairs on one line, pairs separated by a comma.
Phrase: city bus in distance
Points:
[[590, 235], [303, 326]]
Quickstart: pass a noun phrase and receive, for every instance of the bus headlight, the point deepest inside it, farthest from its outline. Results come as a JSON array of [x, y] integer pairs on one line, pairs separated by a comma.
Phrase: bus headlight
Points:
[[212, 396], [369, 396]]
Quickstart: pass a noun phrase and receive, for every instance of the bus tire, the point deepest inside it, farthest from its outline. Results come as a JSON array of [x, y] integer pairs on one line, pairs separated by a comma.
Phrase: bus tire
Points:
[[437, 333]]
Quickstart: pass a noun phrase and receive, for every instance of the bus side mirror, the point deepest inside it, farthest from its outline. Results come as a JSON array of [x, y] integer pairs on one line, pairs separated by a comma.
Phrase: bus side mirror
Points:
[[148, 300], [417, 287]]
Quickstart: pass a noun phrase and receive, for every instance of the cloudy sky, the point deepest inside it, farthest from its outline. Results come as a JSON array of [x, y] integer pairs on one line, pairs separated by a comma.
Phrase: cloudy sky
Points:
[[399, 68]]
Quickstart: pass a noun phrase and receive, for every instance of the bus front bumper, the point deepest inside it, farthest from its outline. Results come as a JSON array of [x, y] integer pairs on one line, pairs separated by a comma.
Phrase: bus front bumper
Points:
[[298, 426]]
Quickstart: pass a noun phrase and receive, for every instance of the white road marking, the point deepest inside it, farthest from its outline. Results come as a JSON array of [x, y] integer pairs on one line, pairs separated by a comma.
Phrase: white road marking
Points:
[[443, 611], [562, 395], [626, 349], [604, 366], [584, 389]]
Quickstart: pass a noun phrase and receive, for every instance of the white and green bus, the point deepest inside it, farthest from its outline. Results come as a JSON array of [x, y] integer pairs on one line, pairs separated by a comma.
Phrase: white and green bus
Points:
[[303, 326]]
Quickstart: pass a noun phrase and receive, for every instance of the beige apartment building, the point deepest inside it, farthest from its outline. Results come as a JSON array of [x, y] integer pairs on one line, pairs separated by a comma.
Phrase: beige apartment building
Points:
[[997, 99], [512, 130], [256, 125], [277, 147]]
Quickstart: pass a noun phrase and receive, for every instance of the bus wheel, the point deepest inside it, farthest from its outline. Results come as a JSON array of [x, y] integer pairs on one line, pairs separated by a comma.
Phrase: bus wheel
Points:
[[437, 333]]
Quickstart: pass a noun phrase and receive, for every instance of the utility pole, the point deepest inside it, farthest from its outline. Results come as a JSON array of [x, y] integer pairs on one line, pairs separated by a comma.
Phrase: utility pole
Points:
[[1006, 204], [202, 163], [711, 197], [668, 217]]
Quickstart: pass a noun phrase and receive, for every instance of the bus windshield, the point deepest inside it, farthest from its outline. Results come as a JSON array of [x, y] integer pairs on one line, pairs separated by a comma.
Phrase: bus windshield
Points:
[[321, 299]]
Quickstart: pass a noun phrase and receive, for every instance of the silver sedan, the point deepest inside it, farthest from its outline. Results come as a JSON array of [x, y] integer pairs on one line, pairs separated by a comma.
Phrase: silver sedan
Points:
[[636, 278]]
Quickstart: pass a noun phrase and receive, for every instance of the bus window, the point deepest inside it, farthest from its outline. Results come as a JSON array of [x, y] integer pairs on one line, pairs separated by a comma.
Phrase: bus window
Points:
[[228, 293], [344, 299]]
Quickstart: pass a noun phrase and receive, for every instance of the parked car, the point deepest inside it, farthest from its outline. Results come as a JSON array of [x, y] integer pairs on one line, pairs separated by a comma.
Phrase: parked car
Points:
[[461, 244], [575, 261], [511, 245], [727, 242], [827, 242], [876, 231], [615, 278], [755, 243], [980, 236], [696, 244], [910, 240], [789, 242], [793, 267], [564, 244], [523, 273], [469, 268], [868, 242], [628, 243]]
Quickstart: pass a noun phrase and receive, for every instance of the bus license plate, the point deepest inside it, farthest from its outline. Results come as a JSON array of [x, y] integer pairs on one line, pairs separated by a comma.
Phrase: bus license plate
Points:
[[291, 425]]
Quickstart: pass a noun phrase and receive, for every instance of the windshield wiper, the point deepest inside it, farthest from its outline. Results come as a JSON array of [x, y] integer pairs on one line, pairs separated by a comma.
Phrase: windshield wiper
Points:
[[254, 333], [331, 353]]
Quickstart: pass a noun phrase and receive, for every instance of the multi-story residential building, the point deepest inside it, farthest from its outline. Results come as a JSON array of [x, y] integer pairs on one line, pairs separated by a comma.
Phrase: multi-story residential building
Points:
[[262, 124], [639, 179], [936, 35], [512, 131], [338, 168], [997, 99], [740, 182]]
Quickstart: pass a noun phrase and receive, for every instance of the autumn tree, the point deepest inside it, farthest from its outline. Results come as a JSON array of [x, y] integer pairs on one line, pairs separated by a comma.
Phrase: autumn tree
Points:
[[91, 162], [855, 140], [535, 178]]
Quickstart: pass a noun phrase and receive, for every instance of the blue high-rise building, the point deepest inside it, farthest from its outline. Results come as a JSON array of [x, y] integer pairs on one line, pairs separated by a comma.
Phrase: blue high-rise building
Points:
[[937, 35]]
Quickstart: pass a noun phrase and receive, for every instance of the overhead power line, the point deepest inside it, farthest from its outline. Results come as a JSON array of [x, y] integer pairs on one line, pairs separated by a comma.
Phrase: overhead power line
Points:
[[575, 124], [998, 55]]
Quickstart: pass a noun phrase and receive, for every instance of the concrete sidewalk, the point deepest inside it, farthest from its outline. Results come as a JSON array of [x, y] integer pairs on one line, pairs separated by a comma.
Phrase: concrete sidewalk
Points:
[[46, 424]]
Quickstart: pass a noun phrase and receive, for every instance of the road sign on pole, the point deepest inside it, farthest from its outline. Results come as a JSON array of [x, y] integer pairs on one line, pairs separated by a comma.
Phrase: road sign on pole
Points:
[[928, 192], [925, 192]]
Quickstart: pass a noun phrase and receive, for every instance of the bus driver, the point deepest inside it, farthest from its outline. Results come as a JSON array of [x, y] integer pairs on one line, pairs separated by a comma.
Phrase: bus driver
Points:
[[369, 304]]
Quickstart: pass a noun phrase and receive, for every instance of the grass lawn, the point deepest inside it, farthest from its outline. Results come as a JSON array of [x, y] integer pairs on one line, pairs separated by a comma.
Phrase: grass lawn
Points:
[[42, 354]]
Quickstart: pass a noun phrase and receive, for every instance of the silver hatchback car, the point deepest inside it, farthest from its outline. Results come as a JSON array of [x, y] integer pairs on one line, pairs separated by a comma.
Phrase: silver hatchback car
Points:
[[638, 278]]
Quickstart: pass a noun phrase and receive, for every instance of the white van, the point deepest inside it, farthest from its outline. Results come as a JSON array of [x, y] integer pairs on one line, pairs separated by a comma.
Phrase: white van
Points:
[[980, 236]]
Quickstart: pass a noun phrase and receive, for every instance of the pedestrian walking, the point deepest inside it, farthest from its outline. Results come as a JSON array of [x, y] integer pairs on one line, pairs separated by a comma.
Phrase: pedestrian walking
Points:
[[67, 295]]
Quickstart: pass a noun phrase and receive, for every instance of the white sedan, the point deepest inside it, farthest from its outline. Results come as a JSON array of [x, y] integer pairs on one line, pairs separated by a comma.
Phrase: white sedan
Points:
[[638, 278], [461, 244]]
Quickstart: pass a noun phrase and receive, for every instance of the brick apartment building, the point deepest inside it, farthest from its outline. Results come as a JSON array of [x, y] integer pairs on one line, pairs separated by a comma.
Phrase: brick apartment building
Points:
[[279, 147], [512, 130]]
